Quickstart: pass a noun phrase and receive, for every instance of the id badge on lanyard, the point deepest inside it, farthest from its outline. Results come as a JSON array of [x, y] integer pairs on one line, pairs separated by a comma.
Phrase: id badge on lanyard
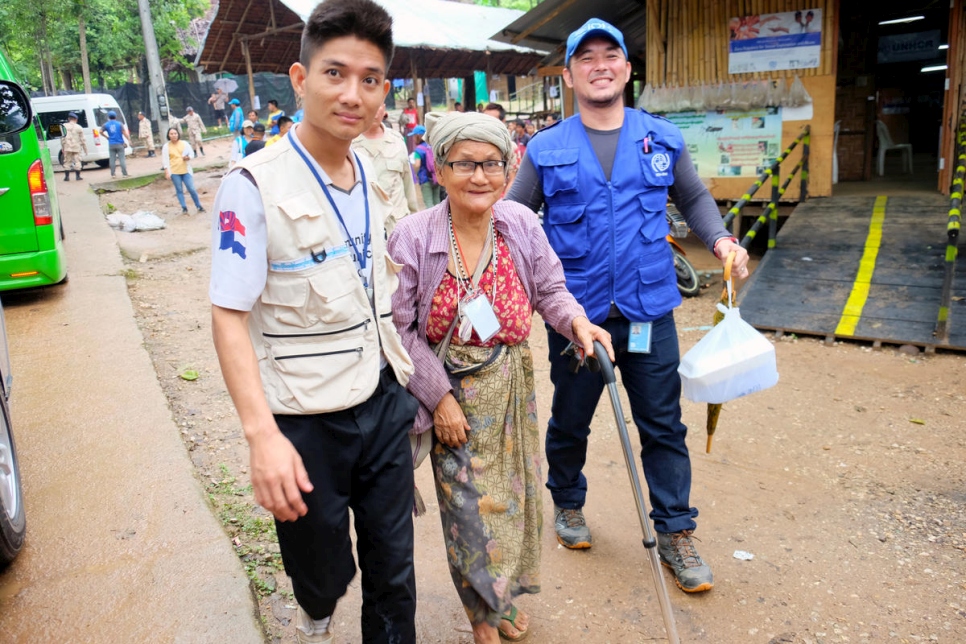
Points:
[[478, 315]]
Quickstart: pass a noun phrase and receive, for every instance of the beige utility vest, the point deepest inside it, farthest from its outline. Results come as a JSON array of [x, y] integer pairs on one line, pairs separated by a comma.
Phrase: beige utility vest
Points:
[[316, 336]]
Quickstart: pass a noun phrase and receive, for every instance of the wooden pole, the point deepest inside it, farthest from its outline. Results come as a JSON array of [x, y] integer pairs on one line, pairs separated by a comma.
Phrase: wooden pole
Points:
[[251, 77]]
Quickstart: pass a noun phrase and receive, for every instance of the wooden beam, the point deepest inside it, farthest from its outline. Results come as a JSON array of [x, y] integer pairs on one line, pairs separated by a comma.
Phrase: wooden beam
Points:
[[539, 23], [251, 77], [293, 28]]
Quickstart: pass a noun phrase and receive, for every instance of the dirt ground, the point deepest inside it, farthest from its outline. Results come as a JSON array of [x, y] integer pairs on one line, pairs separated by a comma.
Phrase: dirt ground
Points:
[[845, 481]]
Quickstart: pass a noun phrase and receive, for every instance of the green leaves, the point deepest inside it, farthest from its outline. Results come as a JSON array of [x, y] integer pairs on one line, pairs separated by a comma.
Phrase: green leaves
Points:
[[29, 28]]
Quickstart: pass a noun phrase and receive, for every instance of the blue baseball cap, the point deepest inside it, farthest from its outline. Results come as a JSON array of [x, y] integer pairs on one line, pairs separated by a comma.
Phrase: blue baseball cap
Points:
[[234, 101], [593, 27], [72, 115], [418, 130], [112, 114]]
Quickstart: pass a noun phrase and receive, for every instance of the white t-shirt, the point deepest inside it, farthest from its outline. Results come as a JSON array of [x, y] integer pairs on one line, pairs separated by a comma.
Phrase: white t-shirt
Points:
[[239, 259]]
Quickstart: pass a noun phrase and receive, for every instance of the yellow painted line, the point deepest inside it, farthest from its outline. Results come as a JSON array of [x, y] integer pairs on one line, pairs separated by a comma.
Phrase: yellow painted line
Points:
[[863, 280]]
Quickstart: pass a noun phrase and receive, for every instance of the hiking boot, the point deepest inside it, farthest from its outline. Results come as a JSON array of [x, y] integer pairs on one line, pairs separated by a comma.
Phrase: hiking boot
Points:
[[571, 527], [678, 553], [311, 631]]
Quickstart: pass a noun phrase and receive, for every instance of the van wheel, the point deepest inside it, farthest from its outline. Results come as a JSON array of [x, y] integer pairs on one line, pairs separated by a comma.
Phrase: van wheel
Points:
[[102, 163], [13, 523], [60, 157]]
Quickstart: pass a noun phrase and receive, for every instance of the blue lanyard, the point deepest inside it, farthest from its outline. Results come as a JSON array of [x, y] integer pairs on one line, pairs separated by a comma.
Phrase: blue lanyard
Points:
[[360, 257]]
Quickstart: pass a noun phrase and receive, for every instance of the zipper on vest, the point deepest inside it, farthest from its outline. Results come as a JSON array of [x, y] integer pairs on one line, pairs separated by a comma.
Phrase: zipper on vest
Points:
[[364, 323], [385, 315], [320, 355], [613, 243]]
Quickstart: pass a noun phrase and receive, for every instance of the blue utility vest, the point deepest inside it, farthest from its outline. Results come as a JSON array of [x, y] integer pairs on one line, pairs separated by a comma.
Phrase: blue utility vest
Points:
[[115, 132], [610, 235]]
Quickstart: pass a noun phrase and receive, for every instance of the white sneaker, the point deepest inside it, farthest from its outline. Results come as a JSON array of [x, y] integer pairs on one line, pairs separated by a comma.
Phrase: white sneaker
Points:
[[312, 631]]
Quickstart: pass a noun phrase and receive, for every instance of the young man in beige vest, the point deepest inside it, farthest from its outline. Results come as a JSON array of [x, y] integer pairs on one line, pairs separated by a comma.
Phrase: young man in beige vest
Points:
[[386, 149], [73, 145], [301, 290], [145, 134]]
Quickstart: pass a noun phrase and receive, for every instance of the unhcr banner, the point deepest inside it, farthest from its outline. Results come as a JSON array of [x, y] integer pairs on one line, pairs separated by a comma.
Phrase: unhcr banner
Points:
[[923, 45], [772, 41]]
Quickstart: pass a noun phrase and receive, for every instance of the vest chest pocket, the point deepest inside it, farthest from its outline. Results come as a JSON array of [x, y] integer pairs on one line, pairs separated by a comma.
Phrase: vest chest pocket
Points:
[[657, 288], [560, 172], [567, 230], [657, 164], [330, 296]]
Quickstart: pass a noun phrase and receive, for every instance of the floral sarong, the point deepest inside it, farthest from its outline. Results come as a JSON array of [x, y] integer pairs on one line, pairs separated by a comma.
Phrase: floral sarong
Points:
[[489, 488]]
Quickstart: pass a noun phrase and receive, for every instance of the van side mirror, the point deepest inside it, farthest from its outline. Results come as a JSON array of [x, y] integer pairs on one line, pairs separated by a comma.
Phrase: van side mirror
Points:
[[15, 110]]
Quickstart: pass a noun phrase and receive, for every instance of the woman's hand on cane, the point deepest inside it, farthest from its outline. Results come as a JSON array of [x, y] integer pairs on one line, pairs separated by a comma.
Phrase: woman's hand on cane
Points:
[[586, 333], [450, 422]]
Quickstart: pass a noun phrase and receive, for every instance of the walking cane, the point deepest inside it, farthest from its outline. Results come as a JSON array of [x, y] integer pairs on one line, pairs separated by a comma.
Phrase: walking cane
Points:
[[650, 544]]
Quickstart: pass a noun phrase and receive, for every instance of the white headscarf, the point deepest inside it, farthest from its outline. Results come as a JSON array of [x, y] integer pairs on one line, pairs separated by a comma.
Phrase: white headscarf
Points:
[[445, 130]]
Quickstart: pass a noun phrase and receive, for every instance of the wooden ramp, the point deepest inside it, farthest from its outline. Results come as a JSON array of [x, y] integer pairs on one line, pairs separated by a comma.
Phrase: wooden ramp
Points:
[[864, 268]]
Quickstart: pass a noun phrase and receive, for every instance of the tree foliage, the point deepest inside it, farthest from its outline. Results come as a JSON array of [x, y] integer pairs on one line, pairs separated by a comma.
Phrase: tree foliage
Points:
[[29, 29]]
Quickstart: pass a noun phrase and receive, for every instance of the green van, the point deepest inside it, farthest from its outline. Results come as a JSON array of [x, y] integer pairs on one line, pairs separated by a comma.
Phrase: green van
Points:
[[31, 232]]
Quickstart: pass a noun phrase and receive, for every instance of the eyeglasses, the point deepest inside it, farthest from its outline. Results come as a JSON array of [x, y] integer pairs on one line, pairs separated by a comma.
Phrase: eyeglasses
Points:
[[468, 168]]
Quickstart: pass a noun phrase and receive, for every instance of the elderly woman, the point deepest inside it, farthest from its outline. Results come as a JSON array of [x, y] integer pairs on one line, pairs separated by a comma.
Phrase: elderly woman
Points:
[[474, 268]]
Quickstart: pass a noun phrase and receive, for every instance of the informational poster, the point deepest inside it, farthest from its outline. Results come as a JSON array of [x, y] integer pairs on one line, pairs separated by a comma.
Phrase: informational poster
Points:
[[772, 41], [731, 144]]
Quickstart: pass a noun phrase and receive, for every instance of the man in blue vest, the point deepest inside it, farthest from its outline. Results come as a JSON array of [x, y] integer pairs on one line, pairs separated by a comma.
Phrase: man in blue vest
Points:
[[603, 177], [117, 140]]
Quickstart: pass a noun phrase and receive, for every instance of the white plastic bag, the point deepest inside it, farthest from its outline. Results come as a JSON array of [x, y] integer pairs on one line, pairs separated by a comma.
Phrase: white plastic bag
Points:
[[731, 361]]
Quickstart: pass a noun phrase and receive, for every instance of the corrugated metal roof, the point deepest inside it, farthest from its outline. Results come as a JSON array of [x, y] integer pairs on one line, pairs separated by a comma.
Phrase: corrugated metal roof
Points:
[[547, 26], [443, 39]]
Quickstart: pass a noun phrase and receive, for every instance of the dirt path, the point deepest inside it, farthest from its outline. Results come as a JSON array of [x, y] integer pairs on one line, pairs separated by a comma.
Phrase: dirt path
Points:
[[845, 482]]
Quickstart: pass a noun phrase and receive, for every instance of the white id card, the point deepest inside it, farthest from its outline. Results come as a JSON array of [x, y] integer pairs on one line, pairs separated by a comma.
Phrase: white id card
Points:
[[480, 314], [639, 337]]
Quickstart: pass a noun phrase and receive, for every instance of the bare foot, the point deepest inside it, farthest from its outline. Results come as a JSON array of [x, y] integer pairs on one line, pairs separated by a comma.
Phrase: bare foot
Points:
[[514, 627], [485, 634]]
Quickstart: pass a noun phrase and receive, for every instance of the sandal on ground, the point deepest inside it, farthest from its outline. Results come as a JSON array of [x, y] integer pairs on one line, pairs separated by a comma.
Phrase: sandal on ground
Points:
[[511, 617]]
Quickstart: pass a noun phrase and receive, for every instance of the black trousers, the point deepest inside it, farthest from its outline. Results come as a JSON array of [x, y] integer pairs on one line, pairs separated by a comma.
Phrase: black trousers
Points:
[[360, 459]]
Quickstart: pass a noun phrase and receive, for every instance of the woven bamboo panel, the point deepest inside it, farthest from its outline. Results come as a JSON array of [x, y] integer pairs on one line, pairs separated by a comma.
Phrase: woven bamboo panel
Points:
[[687, 40]]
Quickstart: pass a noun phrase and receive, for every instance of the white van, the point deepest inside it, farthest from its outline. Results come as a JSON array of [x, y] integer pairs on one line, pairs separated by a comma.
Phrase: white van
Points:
[[91, 110]]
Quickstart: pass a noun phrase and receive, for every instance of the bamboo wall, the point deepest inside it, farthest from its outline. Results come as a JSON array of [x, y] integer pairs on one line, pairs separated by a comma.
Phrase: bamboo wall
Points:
[[687, 44]]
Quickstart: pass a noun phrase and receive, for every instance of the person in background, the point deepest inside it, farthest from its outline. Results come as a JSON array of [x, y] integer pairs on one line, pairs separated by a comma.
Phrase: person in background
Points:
[[217, 102], [548, 121], [425, 167], [73, 144], [408, 120], [237, 117], [274, 113], [145, 133], [387, 151], [530, 129], [299, 274], [603, 177], [478, 398], [480, 107], [284, 124], [457, 107], [196, 128], [117, 139], [496, 111], [520, 135], [175, 159], [253, 116], [258, 140], [239, 144]]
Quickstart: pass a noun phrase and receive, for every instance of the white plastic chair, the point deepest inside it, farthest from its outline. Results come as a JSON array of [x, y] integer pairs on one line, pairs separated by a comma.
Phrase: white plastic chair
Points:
[[835, 152], [886, 143]]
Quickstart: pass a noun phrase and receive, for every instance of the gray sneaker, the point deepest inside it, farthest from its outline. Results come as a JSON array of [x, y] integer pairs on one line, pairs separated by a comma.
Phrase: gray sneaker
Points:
[[571, 527], [678, 553]]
